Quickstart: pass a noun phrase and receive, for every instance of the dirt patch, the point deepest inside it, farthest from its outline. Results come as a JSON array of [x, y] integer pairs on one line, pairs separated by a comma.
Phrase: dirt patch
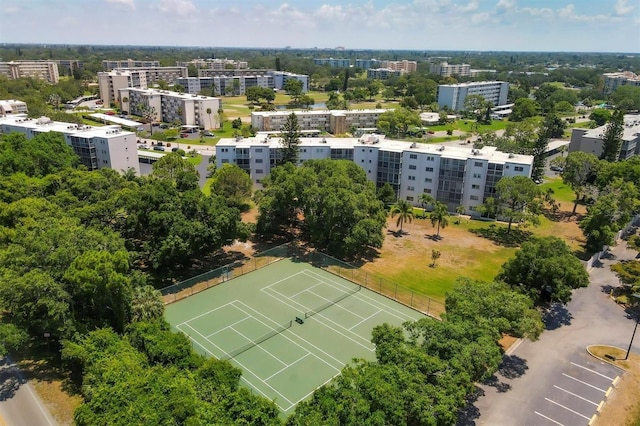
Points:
[[623, 405]]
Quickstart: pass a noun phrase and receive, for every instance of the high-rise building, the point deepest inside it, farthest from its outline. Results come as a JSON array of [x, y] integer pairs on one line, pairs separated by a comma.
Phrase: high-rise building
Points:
[[129, 63], [12, 106], [453, 96], [444, 69]]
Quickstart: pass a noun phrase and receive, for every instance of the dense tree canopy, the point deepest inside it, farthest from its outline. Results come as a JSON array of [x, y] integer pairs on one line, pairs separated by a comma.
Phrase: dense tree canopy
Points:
[[41, 155], [518, 199]]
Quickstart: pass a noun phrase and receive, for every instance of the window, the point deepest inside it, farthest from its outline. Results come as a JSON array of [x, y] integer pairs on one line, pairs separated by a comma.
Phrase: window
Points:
[[430, 158], [258, 160], [475, 186], [429, 169], [518, 169], [411, 177], [477, 175], [473, 197], [411, 188], [412, 167], [478, 164], [225, 160], [225, 149], [258, 149], [427, 191], [428, 180], [362, 161], [413, 156], [409, 198]]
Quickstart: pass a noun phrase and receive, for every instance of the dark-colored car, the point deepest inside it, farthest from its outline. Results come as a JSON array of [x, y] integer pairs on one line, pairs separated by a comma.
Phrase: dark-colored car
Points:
[[158, 148], [174, 149], [184, 135]]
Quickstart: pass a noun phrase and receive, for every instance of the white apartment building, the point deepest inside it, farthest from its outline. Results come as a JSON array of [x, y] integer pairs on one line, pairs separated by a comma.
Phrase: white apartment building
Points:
[[404, 66], [590, 140], [614, 80], [12, 106], [454, 175], [332, 121], [190, 110], [382, 73], [453, 95], [98, 147], [445, 69], [43, 70], [235, 82], [129, 63], [333, 62], [111, 82], [215, 64]]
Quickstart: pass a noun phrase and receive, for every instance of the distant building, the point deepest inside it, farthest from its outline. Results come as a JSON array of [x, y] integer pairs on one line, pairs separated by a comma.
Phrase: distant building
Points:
[[111, 82], [614, 80], [234, 85], [333, 62], [443, 69], [69, 66], [335, 121], [12, 107], [382, 73], [453, 96], [454, 175], [368, 63], [590, 140], [98, 147], [404, 66], [42, 70], [169, 106], [129, 63], [215, 64]]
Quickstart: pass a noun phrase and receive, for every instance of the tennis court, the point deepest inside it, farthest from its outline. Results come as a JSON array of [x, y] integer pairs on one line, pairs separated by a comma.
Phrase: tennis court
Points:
[[289, 326]]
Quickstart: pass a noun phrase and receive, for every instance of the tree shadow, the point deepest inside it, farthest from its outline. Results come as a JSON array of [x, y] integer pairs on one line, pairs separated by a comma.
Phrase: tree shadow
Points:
[[556, 316], [495, 382], [398, 233], [469, 413], [433, 237], [513, 366], [502, 236]]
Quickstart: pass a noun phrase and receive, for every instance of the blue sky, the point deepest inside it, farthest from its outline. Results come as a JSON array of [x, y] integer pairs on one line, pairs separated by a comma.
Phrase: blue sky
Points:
[[513, 25]]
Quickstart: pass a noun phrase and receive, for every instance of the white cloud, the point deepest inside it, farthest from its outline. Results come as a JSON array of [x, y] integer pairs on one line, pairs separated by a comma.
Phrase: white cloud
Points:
[[177, 7], [127, 3], [469, 7], [480, 17], [545, 12], [506, 4], [11, 10], [567, 12], [622, 7]]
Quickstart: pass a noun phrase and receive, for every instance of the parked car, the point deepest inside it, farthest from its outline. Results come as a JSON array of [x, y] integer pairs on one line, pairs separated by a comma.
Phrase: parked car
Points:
[[208, 133], [158, 148], [164, 126], [141, 129], [160, 143], [174, 149], [184, 135]]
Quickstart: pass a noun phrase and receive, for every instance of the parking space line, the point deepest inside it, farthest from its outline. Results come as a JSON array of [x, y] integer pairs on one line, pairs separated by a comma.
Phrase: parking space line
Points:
[[548, 418], [593, 371], [584, 383], [577, 396], [568, 409]]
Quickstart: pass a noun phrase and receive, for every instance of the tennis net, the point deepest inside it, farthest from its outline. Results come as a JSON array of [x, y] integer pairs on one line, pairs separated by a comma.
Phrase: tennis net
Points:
[[256, 342], [332, 302]]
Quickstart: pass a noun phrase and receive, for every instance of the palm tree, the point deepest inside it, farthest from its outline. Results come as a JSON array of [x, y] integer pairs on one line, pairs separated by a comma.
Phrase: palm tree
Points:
[[439, 215], [460, 210], [404, 210], [146, 304], [426, 200], [209, 111]]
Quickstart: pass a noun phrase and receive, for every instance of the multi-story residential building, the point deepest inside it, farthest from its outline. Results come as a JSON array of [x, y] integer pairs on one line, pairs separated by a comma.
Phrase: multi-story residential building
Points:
[[98, 147], [333, 62], [111, 82], [590, 140], [215, 64], [190, 110], [445, 69], [43, 70], [404, 66], [452, 96], [12, 106], [69, 66], [382, 73], [236, 83], [365, 64], [478, 73], [454, 175], [334, 121], [129, 63], [614, 80]]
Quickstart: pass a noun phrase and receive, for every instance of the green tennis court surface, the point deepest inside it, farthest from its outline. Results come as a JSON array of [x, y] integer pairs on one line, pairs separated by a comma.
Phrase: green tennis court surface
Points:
[[251, 320]]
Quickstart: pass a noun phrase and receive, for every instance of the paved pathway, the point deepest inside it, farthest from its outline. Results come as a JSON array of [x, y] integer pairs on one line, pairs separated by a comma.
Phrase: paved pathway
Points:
[[534, 370]]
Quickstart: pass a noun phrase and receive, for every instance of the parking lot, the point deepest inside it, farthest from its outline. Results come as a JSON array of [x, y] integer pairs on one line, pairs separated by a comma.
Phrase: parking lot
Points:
[[577, 393]]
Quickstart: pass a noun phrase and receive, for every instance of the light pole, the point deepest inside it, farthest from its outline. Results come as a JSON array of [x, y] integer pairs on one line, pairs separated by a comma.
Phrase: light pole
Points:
[[637, 296]]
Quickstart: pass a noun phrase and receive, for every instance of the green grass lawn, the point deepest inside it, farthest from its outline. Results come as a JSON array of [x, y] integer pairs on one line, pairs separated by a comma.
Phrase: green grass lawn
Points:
[[561, 191], [467, 126]]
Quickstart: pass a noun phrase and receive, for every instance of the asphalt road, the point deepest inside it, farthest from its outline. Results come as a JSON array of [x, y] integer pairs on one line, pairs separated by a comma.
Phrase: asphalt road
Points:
[[519, 393], [19, 404]]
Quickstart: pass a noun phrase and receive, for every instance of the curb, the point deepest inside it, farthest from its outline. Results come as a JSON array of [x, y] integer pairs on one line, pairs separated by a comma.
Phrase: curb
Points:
[[605, 360]]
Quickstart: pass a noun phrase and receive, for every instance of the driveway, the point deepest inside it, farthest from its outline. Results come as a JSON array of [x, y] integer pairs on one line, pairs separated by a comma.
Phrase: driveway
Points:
[[533, 371]]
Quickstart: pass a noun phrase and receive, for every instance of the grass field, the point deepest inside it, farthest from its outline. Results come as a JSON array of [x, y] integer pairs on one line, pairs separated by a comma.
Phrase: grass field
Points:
[[251, 321]]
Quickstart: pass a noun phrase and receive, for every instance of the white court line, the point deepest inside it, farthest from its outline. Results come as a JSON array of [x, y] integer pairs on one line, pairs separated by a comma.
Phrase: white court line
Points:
[[306, 289], [315, 389], [364, 319], [239, 363], [584, 383], [375, 303], [284, 279], [568, 409], [306, 308], [229, 326], [593, 371], [258, 346], [288, 365], [297, 344], [339, 306], [577, 396], [206, 313], [548, 418]]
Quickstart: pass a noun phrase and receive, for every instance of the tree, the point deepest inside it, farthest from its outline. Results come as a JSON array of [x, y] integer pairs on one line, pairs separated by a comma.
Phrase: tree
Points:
[[460, 210], [221, 117], [233, 184], [236, 123], [178, 170], [600, 116], [435, 255], [386, 194], [545, 269], [290, 139], [12, 338], [475, 106], [524, 108], [612, 138], [439, 216], [579, 172], [494, 305], [146, 304], [404, 210], [44, 154], [626, 98], [306, 101], [148, 114], [600, 224], [397, 121], [294, 87], [426, 200], [517, 199]]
